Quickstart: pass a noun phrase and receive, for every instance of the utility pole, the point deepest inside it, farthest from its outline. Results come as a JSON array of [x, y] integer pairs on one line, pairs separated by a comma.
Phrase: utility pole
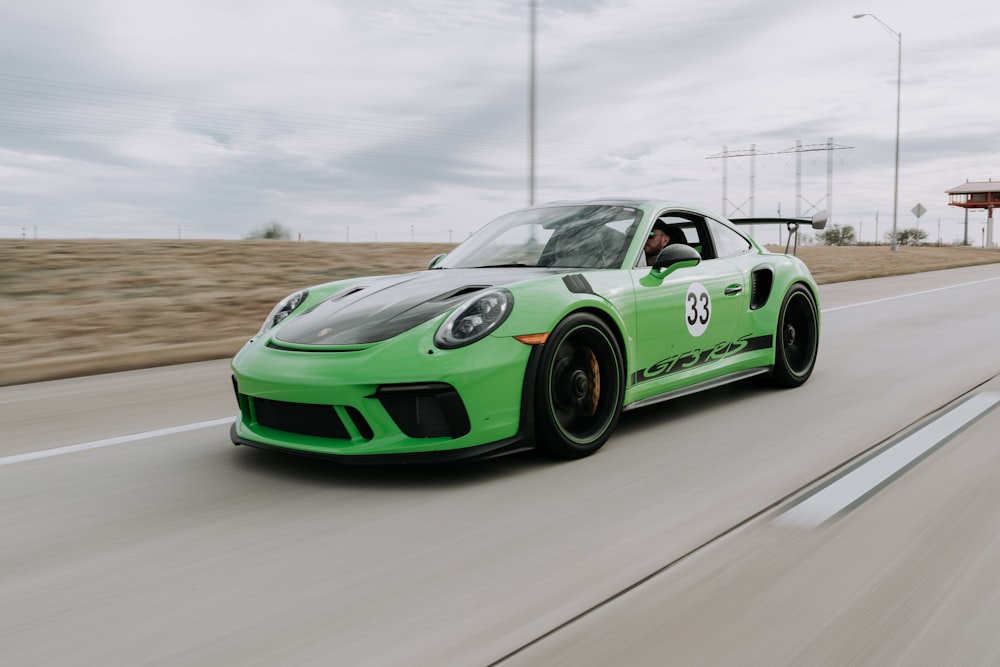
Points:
[[752, 153], [799, 149], [531, 110]]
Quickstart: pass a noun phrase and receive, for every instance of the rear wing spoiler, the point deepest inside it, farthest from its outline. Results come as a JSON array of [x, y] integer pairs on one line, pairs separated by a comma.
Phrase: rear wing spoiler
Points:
[[818, 221]]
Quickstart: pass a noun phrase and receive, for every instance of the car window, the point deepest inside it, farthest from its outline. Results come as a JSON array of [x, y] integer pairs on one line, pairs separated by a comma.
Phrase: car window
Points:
[[693, 230], [728, 241], [517, 245], [582, 236]]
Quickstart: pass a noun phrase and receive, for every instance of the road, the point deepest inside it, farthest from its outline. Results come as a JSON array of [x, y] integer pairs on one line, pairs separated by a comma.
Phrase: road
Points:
[[127, 541]]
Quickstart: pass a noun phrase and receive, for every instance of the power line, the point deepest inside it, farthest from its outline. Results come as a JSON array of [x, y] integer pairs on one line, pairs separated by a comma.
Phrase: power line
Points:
[[798, 149], [752, 153]]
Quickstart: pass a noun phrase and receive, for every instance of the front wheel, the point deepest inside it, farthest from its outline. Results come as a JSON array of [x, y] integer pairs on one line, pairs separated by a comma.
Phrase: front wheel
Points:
[[796, 339], [581, 386]]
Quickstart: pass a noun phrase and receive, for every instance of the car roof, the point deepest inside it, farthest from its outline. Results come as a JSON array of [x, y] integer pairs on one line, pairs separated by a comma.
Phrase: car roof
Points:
[[637, 202]]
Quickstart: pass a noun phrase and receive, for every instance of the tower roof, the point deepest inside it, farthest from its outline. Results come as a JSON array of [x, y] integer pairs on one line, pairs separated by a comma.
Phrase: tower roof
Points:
[[974, 188]]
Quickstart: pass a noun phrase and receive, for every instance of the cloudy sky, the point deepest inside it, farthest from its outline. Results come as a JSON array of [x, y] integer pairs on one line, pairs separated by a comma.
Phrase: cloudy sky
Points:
[[391, 120]]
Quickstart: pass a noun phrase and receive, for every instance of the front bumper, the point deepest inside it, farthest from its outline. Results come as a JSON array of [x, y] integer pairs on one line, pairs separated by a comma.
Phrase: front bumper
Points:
[[401, 400]]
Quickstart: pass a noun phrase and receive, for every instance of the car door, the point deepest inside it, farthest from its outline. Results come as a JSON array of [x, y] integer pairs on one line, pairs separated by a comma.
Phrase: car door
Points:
[[688, 322]]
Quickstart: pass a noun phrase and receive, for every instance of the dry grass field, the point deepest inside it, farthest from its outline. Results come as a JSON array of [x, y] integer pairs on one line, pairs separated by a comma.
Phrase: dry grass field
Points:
[[78, 307]]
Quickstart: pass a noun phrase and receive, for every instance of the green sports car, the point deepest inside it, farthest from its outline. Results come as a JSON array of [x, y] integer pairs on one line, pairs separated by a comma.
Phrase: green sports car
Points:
[[536, 332]]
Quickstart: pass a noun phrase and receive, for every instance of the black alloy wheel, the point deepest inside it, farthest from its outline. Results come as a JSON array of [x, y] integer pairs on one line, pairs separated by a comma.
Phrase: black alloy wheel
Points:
[[581, 386], [796, 339]]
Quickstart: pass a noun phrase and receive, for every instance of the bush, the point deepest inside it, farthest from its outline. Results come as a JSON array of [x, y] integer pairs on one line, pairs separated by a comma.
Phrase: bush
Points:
[[272, 230], [837, 236], [912, 236]]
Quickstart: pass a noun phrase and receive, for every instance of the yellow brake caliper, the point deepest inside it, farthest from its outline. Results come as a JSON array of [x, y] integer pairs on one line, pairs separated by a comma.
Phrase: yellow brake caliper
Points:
[[595, 384]]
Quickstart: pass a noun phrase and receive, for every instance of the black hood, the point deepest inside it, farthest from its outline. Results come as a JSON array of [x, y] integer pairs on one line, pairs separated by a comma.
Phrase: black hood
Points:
[[385, 307]]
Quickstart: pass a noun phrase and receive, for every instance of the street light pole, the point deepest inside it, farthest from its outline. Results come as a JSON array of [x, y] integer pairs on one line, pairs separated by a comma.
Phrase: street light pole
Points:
[[531, 109], [899, 85]]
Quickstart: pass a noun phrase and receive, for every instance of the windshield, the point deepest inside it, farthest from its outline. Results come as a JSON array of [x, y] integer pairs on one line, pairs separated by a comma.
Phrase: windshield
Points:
[[586, 237]]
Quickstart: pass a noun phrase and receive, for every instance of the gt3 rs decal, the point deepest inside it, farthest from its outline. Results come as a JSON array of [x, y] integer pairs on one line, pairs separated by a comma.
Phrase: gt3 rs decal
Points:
[[700, 357], [699, 309]]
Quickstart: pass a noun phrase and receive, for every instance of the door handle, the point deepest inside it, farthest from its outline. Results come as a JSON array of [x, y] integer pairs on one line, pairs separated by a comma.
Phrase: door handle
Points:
[[734, 289]]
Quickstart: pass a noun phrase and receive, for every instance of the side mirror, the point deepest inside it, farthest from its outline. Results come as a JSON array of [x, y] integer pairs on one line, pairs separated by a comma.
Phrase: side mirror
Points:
[[819, 220], [434, 262], [674, 255], [670, 259]]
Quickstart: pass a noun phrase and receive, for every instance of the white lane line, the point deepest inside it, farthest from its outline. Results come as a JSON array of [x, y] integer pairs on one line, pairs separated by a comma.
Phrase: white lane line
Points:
[[845, 491], [94, 444], [903, 296]]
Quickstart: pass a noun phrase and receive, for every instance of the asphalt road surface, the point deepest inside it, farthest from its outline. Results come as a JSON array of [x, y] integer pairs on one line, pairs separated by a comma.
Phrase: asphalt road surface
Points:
[[855, 520]]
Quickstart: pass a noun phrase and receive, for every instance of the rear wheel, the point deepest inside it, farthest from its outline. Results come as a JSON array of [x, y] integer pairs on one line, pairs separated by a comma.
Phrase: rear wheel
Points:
[[796, 339], [581, 386]]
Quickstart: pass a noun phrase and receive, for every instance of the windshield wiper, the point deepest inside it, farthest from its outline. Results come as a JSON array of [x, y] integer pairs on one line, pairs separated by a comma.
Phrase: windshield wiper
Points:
[[500, 266]]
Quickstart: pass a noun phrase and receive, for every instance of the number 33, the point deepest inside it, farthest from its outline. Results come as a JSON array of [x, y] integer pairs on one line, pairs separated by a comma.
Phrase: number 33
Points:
[[699, 309]]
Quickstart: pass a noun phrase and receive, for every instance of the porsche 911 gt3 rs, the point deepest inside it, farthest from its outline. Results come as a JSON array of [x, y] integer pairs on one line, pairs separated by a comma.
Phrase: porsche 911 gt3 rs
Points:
[[536, 332]]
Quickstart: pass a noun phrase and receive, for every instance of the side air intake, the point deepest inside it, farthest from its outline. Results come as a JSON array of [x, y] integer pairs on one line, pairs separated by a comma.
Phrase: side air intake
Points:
[[761, 282]]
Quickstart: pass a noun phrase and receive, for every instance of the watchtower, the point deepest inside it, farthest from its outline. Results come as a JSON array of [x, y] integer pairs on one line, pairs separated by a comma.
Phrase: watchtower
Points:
[[977, 196]]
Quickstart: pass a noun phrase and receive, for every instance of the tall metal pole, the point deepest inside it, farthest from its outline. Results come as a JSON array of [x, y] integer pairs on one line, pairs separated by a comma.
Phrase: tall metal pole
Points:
[[798, 178], [753, 182], [899, 87], [725, 178], [829, 179], [531, 113]]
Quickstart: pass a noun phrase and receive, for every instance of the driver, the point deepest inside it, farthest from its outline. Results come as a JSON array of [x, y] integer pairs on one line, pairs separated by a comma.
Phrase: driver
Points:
[[660, 237]]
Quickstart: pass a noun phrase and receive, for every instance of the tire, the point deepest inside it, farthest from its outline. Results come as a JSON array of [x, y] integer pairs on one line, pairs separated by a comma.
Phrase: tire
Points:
[[580, 388], [796, 339]]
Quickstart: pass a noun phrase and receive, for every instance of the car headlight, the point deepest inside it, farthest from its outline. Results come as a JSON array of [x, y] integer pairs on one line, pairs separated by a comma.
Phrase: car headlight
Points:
[[474, 319], [284, 308]]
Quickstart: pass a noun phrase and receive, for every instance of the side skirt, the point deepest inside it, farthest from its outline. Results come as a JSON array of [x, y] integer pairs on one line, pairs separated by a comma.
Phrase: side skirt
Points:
[[700, 386]]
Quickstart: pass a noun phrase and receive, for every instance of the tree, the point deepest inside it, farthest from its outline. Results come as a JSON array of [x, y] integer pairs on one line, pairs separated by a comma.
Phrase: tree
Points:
[[912, 236], [272, 230], [837, 236]]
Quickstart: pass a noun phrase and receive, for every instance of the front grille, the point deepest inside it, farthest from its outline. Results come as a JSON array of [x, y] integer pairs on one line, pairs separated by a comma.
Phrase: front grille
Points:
[[431, 410], [320, 421]]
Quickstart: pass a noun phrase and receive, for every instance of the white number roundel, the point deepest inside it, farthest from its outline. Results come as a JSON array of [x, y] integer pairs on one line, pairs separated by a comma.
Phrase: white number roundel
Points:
[[698, 309]]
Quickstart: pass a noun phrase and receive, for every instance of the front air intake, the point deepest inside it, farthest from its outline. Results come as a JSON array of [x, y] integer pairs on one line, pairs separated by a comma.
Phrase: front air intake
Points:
[[320, 421], [427, 410]]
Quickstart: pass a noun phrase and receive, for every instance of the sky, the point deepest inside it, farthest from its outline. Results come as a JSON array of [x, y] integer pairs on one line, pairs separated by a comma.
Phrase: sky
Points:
[[409, 121]]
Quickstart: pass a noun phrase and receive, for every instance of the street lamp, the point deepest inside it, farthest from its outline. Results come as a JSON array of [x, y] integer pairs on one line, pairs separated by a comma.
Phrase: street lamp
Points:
[[531, 107], [899, 83]]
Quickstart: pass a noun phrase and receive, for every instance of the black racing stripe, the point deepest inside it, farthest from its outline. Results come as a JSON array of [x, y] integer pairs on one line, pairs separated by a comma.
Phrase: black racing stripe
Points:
[[698, 357], [758, 343]]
